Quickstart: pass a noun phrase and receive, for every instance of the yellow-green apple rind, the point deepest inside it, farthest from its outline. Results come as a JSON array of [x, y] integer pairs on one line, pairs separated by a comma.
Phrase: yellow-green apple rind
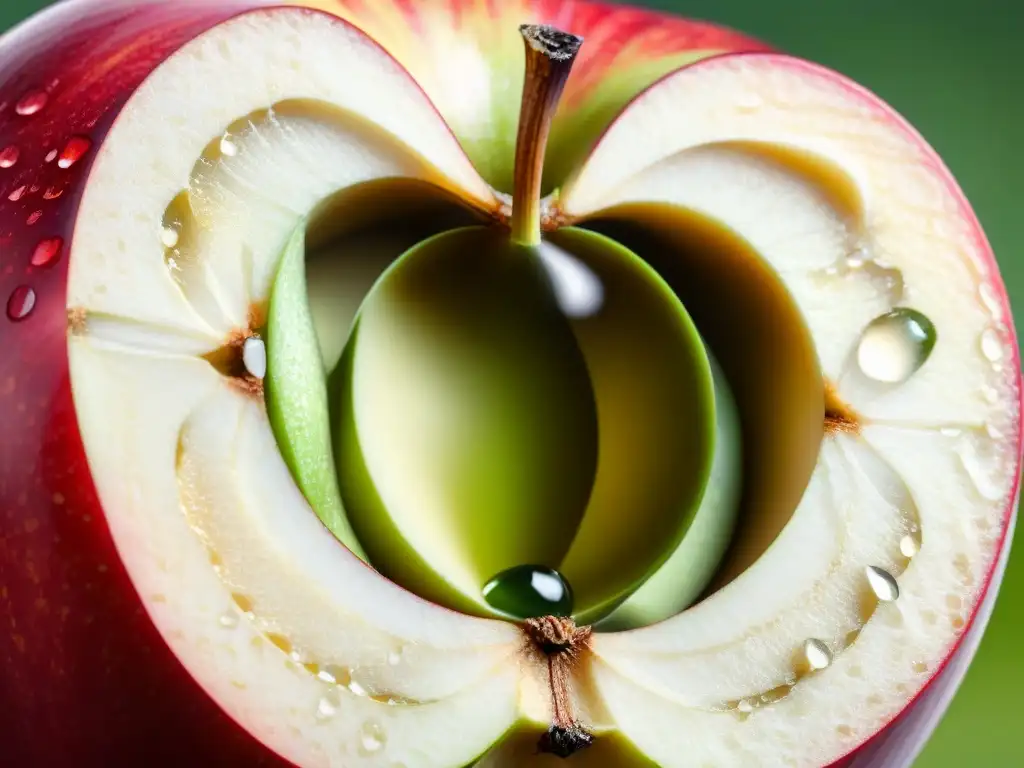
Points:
[[296, 392], [468, 56]]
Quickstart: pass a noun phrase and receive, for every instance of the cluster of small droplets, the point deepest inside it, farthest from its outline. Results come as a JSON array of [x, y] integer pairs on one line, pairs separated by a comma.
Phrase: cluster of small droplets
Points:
[[47, 251]]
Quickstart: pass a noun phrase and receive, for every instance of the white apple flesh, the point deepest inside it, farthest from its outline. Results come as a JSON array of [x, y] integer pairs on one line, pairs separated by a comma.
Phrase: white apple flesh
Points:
[[264, 117]]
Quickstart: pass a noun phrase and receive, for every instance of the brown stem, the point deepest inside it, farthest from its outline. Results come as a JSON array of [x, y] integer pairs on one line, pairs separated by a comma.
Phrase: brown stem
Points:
[[550, 54]]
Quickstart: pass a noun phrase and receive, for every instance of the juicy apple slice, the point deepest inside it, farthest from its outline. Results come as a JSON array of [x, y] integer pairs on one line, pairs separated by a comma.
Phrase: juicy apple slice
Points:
[[166, 433], [871, 583], [263, 118]]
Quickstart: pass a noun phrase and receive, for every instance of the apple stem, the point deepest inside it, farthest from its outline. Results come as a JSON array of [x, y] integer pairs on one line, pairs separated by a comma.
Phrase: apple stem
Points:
[[550, 54]]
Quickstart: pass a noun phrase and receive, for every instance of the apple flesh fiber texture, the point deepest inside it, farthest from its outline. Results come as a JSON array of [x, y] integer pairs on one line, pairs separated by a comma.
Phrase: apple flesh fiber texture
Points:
[[170, 596]]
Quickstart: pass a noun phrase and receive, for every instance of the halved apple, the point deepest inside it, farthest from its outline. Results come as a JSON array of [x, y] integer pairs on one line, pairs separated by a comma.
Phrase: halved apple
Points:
[[244, 277]]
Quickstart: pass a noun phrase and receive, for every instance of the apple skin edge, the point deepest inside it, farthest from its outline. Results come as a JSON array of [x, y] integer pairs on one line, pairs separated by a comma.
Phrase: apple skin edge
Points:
[[85, 676]]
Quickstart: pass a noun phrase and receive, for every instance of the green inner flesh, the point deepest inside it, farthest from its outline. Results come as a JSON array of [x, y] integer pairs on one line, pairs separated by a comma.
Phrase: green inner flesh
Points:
[[483, 421]]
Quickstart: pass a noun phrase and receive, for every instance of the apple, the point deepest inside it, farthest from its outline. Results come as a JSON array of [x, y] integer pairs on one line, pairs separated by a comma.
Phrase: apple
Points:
[[391, 384]]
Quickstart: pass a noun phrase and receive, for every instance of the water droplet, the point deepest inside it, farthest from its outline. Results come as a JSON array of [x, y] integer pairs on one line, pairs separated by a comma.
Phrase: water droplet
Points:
[[47, 252], [950, 432], [31, 103], [991, 345], [228, 147], [371, 737], [73, 151], [169, 236], [34, 217], [356, 688], [991, 394], [327, 707], [529, 591], [228, 620], [21, 302], [909, 545], [745, 706], [9, 156], [895, 345], [254, 356], [17, 194], [993, 431], [882, 584], [817, 654], [51, 156], [395, 658]]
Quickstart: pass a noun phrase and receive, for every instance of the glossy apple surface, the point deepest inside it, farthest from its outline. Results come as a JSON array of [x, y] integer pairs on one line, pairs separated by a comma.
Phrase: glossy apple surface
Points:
[[86, 677]]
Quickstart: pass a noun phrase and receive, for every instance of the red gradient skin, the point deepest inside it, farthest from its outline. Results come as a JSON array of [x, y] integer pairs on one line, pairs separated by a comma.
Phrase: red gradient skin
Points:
[[85, 679]]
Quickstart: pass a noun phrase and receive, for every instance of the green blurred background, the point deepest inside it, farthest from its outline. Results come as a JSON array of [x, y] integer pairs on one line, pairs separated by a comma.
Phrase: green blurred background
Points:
[[952, 68]]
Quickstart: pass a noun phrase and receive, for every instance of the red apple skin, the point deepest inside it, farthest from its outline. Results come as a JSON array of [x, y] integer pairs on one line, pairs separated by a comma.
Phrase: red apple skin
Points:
[[84, 677]]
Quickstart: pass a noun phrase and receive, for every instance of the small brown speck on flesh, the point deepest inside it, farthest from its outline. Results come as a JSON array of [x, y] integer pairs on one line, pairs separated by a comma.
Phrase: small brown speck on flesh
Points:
[[839, 417]]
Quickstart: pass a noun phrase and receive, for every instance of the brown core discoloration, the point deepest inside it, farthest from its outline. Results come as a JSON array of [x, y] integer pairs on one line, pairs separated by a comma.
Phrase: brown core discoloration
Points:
[[563, 644], [839, 417], [77, 321], [228, 358]]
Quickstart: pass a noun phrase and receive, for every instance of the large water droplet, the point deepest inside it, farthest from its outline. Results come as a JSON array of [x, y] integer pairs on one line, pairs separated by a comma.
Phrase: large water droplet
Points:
[[529, 591], [73, 151], [17, 194], [47, 252], [51, 156], [9, 156], [254, 356], [992, 345], [895, 345], [882, 583], [21, 303], [372, 737], [817, 654], [31, 103], [228, 620], [395, 657]]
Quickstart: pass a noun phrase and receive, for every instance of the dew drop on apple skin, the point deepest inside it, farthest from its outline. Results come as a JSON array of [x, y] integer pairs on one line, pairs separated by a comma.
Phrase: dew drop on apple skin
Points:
[[9, 156], [73, 151], [31, 103], [895, 345], [21, 303], [47, 252]]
